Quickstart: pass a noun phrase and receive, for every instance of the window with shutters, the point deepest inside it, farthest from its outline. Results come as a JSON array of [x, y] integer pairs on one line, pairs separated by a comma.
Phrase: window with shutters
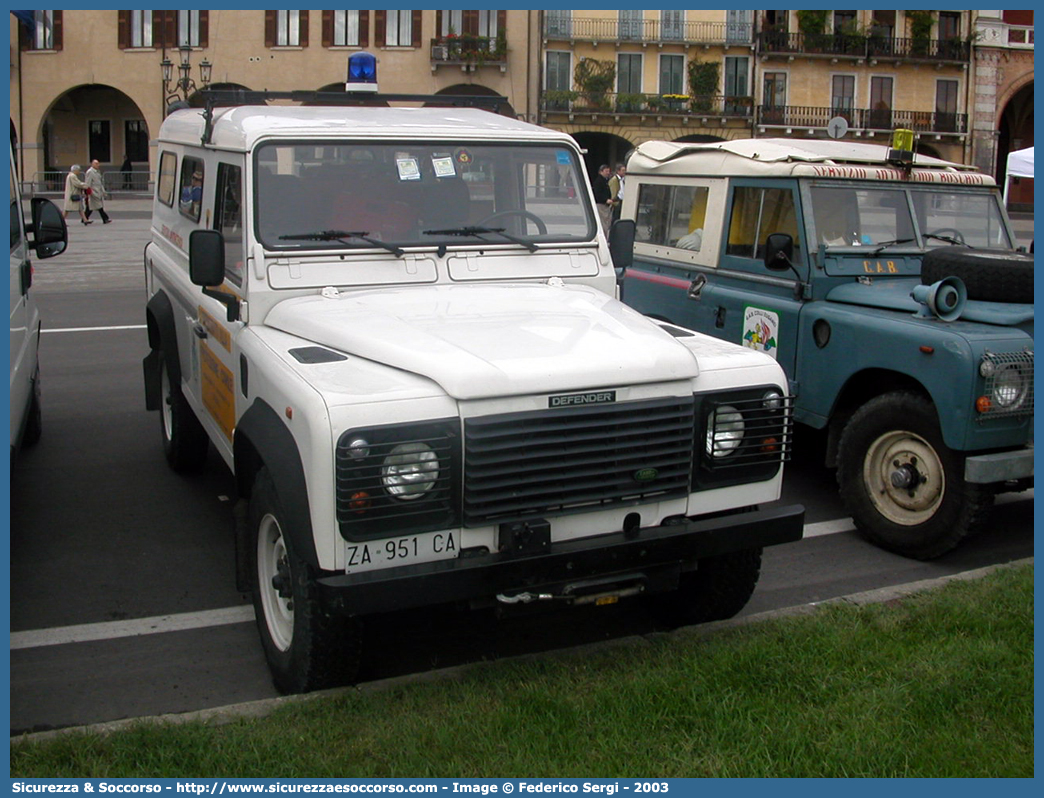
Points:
[[188, 28], [44, 33], [398, 29], [286, 28], [140, 28], [345, 31]]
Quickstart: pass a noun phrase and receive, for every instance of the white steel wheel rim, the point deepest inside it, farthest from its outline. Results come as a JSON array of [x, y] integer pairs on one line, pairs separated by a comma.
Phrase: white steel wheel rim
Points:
[[901, 450], [166, 402], [272, 559]]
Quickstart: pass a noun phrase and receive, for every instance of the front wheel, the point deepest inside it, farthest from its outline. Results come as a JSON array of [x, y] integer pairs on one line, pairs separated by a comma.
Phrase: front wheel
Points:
[[306, 647], [719, 588], [903, 486]]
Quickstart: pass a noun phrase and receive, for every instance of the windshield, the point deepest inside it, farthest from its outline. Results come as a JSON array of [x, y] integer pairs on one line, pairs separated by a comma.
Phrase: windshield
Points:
[[915, 216], [323, 195]]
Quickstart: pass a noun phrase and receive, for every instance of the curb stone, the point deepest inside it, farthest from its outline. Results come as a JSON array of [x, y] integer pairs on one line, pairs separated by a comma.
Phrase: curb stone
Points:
[[263, 707]]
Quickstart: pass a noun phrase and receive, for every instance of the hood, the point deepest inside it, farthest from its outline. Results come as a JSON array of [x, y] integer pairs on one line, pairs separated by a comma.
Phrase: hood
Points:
[[893, 293], [482, 341]]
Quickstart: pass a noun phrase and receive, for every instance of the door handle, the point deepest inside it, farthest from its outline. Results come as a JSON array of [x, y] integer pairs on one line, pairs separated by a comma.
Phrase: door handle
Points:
[[199, 330], [696, 286]]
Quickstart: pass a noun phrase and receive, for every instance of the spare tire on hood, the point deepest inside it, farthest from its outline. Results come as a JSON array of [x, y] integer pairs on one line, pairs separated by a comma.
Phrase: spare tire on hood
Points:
[[990, 275]]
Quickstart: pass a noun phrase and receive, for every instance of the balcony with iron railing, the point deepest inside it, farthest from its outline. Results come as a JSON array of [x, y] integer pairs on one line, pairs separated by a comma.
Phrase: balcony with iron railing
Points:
[[862, 119], [862, 45], [677, 105], [469, 51], [646, 31]]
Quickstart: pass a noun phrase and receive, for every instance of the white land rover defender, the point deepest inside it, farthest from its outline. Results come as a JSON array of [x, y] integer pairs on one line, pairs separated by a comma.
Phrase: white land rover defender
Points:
[[408, 350]]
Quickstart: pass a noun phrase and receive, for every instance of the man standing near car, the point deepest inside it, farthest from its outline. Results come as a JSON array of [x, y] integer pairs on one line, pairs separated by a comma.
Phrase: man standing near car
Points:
[[602, 196], [96, 192]]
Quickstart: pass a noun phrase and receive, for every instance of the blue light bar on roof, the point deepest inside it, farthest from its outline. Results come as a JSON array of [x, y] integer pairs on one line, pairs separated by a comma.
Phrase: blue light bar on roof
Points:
[[362, 72]]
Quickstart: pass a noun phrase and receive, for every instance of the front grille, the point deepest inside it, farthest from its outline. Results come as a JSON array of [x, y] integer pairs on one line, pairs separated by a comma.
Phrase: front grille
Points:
[[1009, 385], [552, 462]]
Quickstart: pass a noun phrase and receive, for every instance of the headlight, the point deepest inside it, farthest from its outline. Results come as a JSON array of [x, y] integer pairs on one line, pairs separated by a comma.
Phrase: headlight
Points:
[[410, 470], [724, 431], [1009, 387]]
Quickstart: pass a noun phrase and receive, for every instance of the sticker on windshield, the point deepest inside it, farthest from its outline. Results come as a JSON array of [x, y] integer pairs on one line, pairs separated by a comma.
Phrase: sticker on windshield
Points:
[[443, 166], [408, 168], [562, 156], [760, 330]]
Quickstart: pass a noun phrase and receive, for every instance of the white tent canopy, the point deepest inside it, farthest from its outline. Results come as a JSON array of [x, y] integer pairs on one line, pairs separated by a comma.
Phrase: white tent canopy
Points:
[[1020, 164]]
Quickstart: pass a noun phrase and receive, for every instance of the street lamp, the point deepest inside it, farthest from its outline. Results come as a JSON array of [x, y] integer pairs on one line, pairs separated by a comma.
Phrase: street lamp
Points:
[[180, 89]]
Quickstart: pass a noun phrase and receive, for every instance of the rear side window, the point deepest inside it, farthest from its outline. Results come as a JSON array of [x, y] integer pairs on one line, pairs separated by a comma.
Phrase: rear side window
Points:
[[190, 188], [672, 216], [167, 178]]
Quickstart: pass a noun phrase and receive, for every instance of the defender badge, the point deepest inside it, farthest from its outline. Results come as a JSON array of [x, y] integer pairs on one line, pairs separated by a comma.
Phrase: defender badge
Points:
[[573, 399]]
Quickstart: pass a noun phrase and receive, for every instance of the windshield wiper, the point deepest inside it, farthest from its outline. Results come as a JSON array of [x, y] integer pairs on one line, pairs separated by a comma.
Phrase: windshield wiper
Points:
[[883, 244], [948, 240], [478, 231], [340, 235]]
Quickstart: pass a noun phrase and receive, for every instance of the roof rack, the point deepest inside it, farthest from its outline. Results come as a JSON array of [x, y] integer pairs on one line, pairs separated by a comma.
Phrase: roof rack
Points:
[[224, 98]]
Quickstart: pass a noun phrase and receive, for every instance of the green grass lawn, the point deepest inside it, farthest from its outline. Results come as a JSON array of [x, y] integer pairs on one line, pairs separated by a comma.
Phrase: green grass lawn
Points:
[[937, 684]]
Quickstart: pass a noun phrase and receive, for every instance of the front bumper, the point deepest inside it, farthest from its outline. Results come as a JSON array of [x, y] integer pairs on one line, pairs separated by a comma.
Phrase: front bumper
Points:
[[983, 469], [654, 554]]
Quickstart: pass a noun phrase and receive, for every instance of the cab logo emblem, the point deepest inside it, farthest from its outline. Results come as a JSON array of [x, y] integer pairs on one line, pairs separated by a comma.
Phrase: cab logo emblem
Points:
[[646, 474], [574, 399]]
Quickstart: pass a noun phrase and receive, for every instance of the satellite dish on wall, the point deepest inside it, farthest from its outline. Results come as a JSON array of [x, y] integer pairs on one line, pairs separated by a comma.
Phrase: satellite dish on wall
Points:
[[837, 127]]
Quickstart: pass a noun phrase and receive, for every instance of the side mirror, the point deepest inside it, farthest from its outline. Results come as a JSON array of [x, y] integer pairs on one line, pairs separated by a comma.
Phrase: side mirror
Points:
[[206, 258], [50, 233], [621, 245], [779, 252], [207, 268]]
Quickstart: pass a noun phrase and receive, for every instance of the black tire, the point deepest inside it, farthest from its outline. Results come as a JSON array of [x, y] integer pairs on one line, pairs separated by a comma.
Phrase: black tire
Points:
[[185, 441], [719, 588], [898, 435], [307, 648], [33, 430], [990, 275]]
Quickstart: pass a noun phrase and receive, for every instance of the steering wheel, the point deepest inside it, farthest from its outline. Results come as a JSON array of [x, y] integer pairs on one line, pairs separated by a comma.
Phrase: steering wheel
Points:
[[957, 234], [541, 227]]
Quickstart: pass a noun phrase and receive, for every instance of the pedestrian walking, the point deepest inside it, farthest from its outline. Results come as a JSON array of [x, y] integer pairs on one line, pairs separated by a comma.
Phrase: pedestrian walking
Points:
[[603, 197], [74, 186], [95, 191]]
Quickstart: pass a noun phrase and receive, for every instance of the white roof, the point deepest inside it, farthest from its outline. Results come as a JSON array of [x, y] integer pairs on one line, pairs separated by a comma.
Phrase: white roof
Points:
[[1020, 163], [781, 157], [240, 127]]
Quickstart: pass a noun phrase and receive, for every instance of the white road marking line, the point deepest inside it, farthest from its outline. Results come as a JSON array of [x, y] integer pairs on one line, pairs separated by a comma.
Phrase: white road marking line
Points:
[[821, 528], [95, 329], [133, 628]]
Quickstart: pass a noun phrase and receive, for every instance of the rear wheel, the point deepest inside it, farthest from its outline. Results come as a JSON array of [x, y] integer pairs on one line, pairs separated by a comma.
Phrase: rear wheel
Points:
[[184, 439], [719, 588], [307, 648], [902, 485]]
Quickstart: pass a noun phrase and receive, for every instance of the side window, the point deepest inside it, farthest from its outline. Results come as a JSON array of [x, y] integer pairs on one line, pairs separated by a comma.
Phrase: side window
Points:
[[672, 216], [228, 218], [190, 193], [756, 214], [166, 178]]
